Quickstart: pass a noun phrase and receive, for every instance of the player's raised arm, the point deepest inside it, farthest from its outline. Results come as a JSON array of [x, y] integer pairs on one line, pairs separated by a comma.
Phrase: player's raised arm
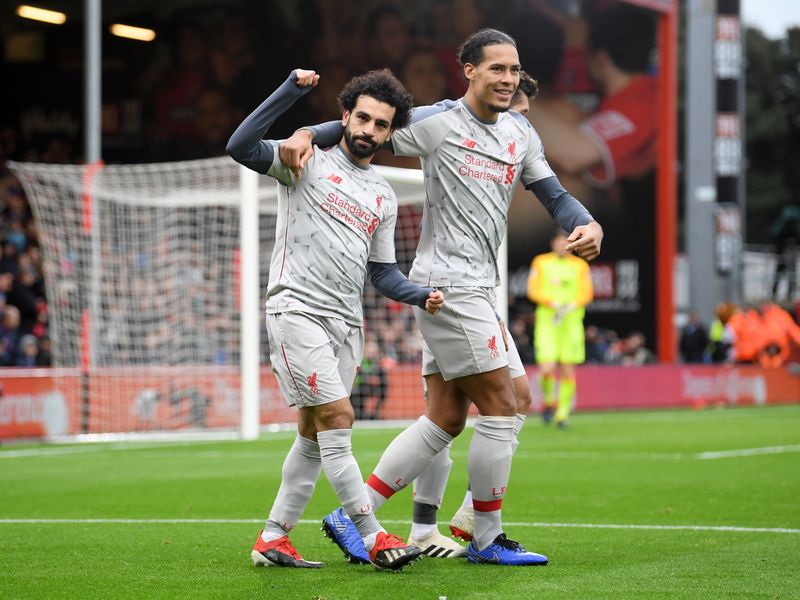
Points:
[[246, 145]]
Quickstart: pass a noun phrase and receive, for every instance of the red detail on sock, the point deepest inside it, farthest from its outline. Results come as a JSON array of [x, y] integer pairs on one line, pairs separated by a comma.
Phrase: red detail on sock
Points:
[[490, 506], [379, 486]]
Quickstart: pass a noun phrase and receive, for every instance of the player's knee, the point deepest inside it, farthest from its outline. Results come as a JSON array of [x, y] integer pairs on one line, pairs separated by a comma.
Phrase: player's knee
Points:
[[336, 415], [498, 403], [452, 421]]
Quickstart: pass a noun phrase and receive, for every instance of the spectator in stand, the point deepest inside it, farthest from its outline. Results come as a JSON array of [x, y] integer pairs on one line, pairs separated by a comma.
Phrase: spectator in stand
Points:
[[748, 334], [635, 351], [389, 36], [596, 345], [9, 335], [27, 351], [371, 385], [452, 21], [8, 260], [721, 336], [520, 334], [424, 75], [215, 121], [614, 347], [26, 293], [780, 331], [694, 340], [234, 64], [174, 99], [45, 356], [426, 80]]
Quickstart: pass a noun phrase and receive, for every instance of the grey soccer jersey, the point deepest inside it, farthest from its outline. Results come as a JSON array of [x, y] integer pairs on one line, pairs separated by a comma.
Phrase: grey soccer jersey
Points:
[[330, 223], [471, 168]]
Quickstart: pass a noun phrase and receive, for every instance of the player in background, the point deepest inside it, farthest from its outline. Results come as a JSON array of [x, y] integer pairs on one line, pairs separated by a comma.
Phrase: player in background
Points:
[[473, 154], [560, 285], [336, 220]]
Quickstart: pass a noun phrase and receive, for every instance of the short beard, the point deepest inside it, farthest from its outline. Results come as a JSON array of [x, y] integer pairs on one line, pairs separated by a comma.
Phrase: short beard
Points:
[[499, 109], [356, 150]]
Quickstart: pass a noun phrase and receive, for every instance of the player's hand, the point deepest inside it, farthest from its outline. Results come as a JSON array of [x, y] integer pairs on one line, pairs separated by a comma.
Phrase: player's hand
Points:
[[504, 331], [295, 151], [434, 302], [585, 240], [306, 78]]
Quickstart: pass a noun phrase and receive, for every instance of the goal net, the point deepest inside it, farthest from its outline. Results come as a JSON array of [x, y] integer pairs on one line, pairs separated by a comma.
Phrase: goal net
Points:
[[143, 271]]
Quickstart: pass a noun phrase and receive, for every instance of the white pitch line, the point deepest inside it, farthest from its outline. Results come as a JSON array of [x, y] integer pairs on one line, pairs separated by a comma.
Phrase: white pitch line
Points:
[[721, 528], [155, 452], [748, 452]]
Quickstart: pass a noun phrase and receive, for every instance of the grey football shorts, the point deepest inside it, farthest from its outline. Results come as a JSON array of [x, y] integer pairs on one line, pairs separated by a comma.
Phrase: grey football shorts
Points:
[[315, 358], [464, 337]]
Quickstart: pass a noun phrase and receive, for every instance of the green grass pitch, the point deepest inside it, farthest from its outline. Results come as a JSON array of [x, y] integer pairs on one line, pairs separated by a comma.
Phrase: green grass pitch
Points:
[[677, 504]]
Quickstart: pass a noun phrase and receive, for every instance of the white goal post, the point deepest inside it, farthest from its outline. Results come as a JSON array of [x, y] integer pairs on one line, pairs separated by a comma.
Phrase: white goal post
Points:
[[155, 277]]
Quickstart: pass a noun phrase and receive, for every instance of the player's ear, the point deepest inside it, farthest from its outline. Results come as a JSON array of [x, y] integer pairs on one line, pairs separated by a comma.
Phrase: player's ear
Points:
[[469, 71], [345, 117]]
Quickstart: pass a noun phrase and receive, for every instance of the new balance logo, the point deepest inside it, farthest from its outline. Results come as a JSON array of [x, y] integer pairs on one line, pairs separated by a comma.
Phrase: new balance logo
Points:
[[469, 143], [334, 178], [493, 351], [312, 383]]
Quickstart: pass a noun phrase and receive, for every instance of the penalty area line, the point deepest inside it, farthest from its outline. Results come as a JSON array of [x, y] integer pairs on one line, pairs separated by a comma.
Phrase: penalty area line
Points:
[[630, 526]]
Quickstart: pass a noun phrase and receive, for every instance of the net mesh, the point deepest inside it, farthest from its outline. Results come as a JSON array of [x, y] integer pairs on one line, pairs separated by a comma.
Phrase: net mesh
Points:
[[142, 276]]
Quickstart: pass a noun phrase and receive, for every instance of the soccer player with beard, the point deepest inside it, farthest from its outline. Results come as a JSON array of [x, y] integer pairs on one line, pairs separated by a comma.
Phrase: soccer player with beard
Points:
[[473, 154], [336, 220]]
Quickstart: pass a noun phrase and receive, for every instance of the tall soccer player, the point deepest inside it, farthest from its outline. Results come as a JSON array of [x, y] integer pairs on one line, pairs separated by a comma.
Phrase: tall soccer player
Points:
[[336, 220], [429, 485], [473, 154]]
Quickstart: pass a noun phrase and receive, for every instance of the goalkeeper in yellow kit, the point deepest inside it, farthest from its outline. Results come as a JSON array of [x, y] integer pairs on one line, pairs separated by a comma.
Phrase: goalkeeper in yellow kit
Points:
[[561, 287]]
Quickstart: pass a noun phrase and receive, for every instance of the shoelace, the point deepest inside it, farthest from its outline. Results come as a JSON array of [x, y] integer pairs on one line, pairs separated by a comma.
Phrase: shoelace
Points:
[[287, 548], [504, 542], [392, 541]]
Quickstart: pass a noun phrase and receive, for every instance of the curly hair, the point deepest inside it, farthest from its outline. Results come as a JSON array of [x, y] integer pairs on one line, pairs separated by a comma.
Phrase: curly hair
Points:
[[471, 51], [383, 86], [527, 85]]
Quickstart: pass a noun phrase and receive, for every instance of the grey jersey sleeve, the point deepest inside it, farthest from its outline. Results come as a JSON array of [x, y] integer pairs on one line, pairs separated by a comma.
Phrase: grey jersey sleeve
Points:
[[389, 280], [565, 209], [246, 145]]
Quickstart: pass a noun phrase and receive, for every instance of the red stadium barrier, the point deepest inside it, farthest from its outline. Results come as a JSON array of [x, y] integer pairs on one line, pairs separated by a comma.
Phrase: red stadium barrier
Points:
[[42, 403]]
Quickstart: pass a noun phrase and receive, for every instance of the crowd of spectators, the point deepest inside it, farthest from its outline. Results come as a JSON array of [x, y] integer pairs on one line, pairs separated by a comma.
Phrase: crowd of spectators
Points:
[[24, 332], [765, 334]]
